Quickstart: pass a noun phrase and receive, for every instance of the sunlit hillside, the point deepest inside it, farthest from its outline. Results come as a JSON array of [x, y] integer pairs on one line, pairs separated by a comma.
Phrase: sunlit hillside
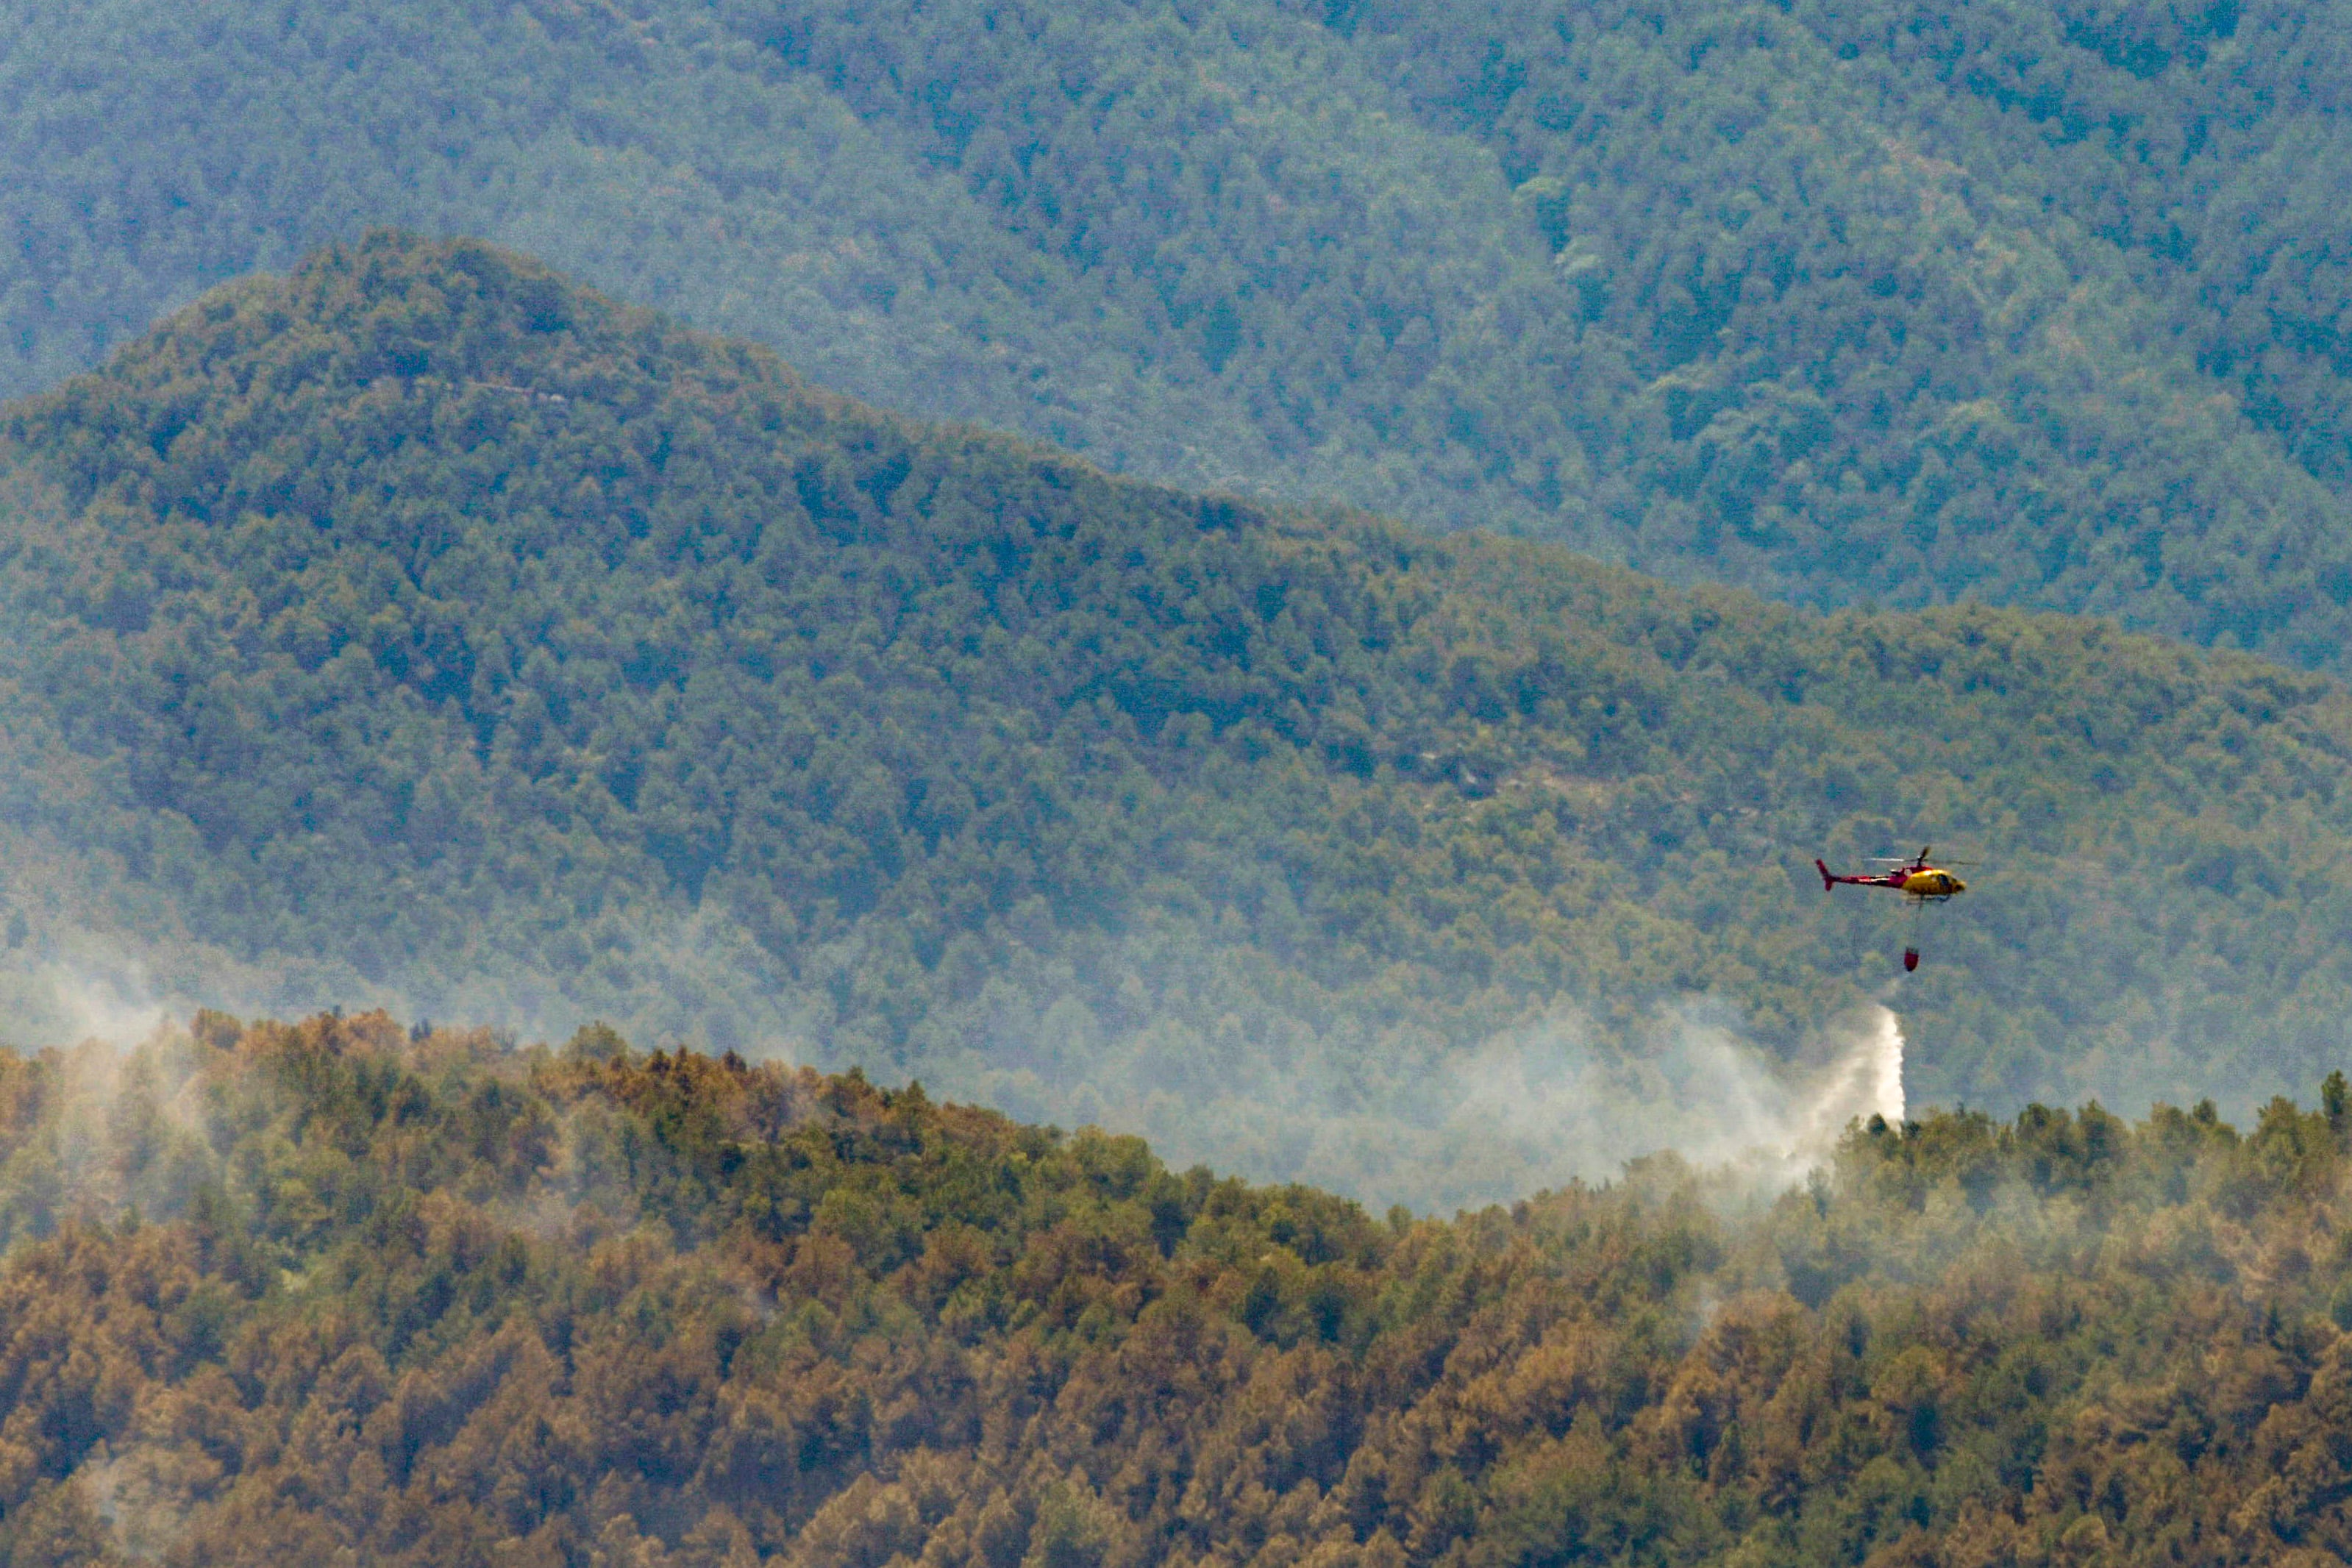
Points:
[[334, 1291]]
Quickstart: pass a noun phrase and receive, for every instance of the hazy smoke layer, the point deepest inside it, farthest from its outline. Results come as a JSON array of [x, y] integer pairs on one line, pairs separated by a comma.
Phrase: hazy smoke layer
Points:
[[1542, 1106]]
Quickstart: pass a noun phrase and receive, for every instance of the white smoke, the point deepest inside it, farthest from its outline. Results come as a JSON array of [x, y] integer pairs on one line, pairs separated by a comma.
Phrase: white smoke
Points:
[[1546, 1106], [75, 996], [1866, 1080]]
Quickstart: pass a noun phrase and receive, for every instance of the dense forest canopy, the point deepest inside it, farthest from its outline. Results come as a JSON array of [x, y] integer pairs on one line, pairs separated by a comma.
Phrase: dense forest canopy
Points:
[[342, 1291], [424, 626], [2031, 303]]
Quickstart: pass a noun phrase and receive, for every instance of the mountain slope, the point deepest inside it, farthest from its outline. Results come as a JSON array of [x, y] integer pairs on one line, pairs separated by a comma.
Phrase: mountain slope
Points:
[[296, 1293], [422, 626], [2021, 304]]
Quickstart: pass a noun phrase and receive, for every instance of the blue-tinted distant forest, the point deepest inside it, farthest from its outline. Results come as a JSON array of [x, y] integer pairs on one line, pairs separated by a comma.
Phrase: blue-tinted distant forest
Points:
[[2032, 303]]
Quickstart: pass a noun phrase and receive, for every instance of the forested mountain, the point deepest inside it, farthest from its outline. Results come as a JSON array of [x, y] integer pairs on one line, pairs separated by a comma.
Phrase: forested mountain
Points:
[[424, 627], [2034, 304], [339, 1292]]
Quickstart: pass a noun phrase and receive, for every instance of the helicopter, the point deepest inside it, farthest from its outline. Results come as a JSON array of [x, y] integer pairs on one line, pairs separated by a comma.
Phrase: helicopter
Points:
[[1914, 878]]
